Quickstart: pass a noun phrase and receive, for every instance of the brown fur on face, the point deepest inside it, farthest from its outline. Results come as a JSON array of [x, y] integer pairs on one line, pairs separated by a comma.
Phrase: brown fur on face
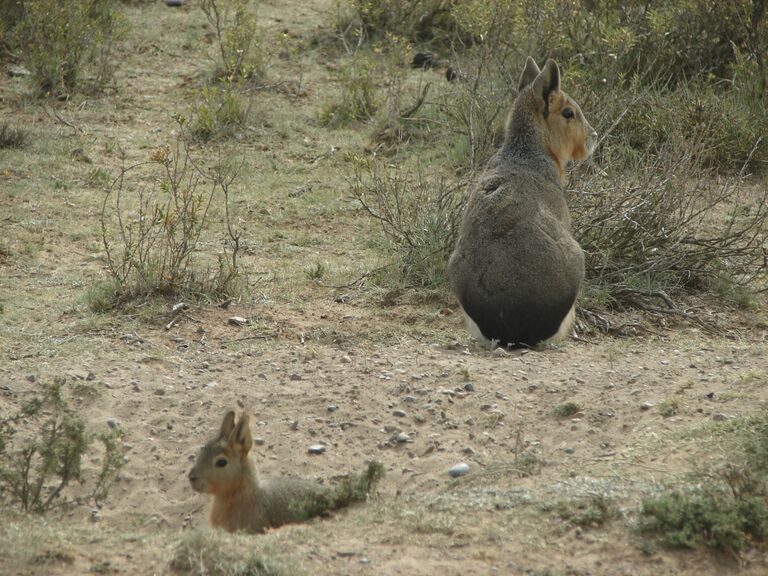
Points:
[[564, 139]]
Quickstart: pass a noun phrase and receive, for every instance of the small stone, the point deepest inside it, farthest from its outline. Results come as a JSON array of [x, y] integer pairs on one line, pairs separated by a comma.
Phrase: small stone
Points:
[[237, 321], [178, 307], [448, 392], [332, 408], [402, 438], [469, 387], [17, 71], [646, 405], [259, 441], [316, 449], [720, 417], [399, 413], [346, 359], [295, 377], [499, 353], [364, 561], [159, 392], [31, 378], [568, 450], [113, 423], [460, 469], [409, 399]]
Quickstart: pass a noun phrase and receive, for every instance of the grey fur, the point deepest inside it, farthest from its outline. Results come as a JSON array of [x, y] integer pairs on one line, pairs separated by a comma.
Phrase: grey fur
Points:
[[516, 268]]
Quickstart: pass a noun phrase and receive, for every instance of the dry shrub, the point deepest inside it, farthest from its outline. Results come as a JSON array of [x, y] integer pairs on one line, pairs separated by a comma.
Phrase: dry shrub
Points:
[[419, 220], [666, 229], [152, 220]]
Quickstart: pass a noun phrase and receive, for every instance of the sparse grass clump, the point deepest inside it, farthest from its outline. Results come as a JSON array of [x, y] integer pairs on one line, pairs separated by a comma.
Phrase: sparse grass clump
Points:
[[419, 221], [12, 136], [566, 409], [61, 40], [42, 448], [215, 554], [591, 512], [151, 234]]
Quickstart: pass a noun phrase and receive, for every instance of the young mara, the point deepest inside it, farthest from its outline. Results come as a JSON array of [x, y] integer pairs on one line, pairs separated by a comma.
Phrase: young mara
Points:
[[516, 268], [244, 502]]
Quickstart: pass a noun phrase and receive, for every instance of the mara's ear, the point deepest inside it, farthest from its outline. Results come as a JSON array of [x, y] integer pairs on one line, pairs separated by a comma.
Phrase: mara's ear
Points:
[[530, 72], [240, 439], [547, 82], [227, 425]]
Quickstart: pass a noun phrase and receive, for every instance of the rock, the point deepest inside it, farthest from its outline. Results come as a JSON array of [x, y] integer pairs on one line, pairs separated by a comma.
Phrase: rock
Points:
[[15, 70], [113, 423], [399, 413], [568, 450], [174, 2], [295, 377], [409, 399], [332, 408], [179, 307], [259, 441], [401, 438], [460, 469], [346, 359], [31, 378], [469, 387], [720, 417], [499, 353], [646, 405], [316, 449], [237, 321]]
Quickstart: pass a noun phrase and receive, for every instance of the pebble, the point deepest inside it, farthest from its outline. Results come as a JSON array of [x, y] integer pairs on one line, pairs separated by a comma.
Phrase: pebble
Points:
[[31, 378], [259, 441], [469, 387], [346, 359], [316, 449], [720, 417], [237, 321], [399, 413], [568, 450], [460, 469], [409, 399], [402, 438], [646, 405], [113, 423], [499, 353], [295, 377]]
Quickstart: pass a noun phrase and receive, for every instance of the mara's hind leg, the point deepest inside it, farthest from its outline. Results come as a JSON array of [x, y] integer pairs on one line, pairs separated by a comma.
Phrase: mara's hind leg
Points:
[[474, 330], [566, 326]]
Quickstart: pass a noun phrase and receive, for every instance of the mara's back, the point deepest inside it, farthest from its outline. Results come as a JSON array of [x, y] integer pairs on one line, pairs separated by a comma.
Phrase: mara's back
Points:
[[516, 269]]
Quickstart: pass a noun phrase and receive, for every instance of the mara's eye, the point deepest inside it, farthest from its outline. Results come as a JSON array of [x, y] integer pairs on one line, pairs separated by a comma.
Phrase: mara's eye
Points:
[[568, 113], [221, 462]]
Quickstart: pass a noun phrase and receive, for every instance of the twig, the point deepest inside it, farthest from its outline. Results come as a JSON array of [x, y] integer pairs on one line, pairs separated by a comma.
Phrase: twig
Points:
[[56, 116]]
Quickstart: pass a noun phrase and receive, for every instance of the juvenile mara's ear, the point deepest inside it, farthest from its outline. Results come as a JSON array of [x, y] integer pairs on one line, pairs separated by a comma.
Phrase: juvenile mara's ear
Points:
[[529, 73], [227, 425], [240, 439], [547, 82]]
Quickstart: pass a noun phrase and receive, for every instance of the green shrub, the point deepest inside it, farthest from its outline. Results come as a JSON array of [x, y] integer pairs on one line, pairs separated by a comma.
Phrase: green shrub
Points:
[[60, 39], [35, 468], [238, 38], [358, 99], [706, 517], [151, 234], [220, 112]]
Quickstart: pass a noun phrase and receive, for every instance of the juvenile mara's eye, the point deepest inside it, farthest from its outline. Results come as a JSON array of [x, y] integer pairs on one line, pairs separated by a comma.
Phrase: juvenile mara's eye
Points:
[[568, 113], [221, 462]]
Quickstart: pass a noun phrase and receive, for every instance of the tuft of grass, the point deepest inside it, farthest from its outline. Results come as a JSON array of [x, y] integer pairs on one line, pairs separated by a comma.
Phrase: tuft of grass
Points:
[[205, 553], [12, 136], [591, 512], [669, 407], [238, 39], [566, 409]]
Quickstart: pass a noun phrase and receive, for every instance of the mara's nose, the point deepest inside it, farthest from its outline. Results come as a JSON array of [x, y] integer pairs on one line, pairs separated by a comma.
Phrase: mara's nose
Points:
[[192, 476]]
